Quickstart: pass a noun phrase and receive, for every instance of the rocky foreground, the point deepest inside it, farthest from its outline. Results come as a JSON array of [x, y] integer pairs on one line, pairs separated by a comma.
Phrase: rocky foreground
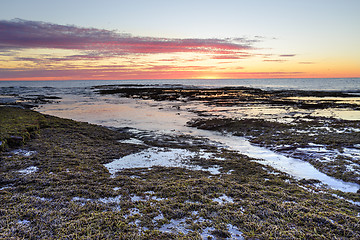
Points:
[[54, 185]]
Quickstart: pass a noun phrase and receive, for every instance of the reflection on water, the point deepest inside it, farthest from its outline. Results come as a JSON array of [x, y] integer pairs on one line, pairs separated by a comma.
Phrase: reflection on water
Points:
[[80, 103], [295, 167], [160, 157], [345, 114], [167, 117], [343, 100], [120, 112]]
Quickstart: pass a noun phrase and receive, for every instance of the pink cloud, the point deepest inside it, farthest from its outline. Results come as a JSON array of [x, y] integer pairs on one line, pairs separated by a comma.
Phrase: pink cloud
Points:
[[92, 45], [231, 57], [177, 68], [20, 34]]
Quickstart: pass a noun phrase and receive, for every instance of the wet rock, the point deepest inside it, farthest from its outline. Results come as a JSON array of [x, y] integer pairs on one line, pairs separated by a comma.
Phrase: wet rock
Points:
[[231, 96], [14, 141], [309, 181], [221, 234]]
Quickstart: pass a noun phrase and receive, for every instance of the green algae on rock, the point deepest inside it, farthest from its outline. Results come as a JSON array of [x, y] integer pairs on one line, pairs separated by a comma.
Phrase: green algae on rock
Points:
[[17, 126], [70, 194], [324, 142]]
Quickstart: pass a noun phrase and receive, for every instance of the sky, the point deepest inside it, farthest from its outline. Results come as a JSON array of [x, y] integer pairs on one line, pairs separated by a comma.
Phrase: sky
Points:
[[196, 39]]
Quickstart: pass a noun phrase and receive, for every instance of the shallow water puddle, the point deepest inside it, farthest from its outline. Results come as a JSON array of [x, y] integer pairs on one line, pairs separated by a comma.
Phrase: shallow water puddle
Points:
[[223, 199], [24, 153], [163, 118], [24, 222], [234, 231], [349, 155], [132, 141], [110, 200], [330, 154], [175, 226], [295, 167], [29, 170], [81, 200], [164, 157], [180, 226]]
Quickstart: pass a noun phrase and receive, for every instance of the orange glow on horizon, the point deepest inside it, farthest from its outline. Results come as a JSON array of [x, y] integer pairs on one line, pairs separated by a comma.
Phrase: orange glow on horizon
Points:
[[191, 75], [69, 52]]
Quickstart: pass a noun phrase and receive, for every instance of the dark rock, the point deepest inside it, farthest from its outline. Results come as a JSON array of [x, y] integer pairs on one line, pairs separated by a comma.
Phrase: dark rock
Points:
[[14, 141]]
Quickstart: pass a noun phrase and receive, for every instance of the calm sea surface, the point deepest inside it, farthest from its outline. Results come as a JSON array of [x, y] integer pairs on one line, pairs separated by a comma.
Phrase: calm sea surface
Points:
[[330, 84]]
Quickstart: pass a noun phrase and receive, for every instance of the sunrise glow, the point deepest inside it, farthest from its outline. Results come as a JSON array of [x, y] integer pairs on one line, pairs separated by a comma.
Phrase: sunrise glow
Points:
[[43, 49]]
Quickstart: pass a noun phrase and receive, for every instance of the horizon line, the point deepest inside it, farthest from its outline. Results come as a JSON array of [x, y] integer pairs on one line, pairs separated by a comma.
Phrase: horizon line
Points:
[[172, 79]]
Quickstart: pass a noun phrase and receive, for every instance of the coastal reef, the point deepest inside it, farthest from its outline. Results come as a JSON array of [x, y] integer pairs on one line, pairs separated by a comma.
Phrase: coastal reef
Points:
[[297, 123], [331, 145], [232, 96], [54, 184]]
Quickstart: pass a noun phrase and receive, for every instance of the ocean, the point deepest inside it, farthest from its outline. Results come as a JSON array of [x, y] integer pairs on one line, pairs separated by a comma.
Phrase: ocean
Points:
[[323, 84]]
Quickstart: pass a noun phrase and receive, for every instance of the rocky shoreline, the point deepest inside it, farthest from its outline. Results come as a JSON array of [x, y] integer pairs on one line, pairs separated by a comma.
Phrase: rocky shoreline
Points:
[[232, 96], [330, 144], [54, 185]]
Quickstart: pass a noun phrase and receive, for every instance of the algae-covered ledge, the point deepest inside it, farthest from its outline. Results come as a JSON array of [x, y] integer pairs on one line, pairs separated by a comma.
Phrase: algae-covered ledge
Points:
[[54, 185], [331, 145]]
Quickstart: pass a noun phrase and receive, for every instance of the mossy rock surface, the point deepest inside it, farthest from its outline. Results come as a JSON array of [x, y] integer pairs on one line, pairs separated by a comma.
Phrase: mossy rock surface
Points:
[[69, 194], [17, 126], [331, 134]]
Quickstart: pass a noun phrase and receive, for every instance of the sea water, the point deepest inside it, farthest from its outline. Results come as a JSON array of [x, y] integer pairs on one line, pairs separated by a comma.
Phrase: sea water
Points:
[[324, 84]]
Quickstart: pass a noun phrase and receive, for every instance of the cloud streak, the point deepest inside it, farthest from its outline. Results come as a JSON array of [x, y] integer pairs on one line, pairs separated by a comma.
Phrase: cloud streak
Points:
[[22, 34], [274, 60], [46, 51], [125, 73], [287, 55]]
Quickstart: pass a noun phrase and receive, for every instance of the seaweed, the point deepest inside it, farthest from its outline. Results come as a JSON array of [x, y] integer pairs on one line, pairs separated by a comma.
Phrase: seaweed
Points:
[[70, 194], [332, 135]]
